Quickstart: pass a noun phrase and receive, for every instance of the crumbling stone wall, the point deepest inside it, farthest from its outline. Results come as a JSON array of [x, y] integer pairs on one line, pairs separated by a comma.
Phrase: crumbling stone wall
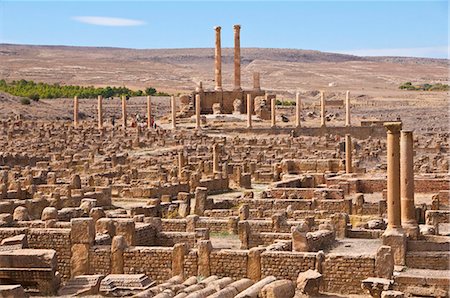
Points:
[[229, 263], [145, 235], [155, 262], [191, 263], [100, 259], [286, 265], [344, 273]]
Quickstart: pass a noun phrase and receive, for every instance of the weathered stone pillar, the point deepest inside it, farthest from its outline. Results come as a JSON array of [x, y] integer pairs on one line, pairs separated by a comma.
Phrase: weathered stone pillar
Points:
[[408, 213], [298, 109], [256, 81], [244, 234], [181, 162], [216, 158], [124, 111], [348, 154], [254, 263], [118, 246], [178, 253], [273, 113], [149, 112], [82, 236], [204, 250], [218, 60], [237, 57], [100, 111], [201, 194], [322, 109], [174, 112], [394, 235], [249, 110], [197, 111], [347, 108], [75, 111]]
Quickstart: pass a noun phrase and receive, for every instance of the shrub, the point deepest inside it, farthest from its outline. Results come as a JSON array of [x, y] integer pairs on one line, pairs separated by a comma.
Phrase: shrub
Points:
[[25, 101]]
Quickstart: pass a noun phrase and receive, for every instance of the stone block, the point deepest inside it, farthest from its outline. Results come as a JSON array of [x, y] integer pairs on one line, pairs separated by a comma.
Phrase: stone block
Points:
[[278, 289], [82, 231], [308, 282]]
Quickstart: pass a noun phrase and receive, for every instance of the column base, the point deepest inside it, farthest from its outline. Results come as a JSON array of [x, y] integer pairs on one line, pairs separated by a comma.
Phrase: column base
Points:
[[396, 239], [218, 89], [411, 230]]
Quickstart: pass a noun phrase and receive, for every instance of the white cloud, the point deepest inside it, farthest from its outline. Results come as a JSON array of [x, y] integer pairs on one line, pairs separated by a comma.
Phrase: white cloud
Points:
[[107, 21], [428, 52]]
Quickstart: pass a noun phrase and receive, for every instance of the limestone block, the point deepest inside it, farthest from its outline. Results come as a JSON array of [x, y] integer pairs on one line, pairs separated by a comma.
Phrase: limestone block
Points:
[[118, 245], [21, 214], [79, 262], [96, 213], [105, 226], [392, 294], [397, 241], [308, 282], [384, 262], [244, 212], [11, 291], [126, 228], [82, 231], [244, 234], [299, 239], [279, 289], [178, 253], [18, 240], [87, 204], [233, 225], [200, 200], [254, 263], [191, 223], [49, 213], [204, 250], [75, 182]]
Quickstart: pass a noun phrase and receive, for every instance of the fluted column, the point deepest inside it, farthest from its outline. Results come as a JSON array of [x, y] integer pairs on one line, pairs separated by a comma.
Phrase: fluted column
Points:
[[393, 175], [408, 213], [100, 111], [298, 109], [322, 108], [218, 60], [273, 113], [124, 112], [348, 154], [75, 111], [347, 108], [174, 112], [197, 111], [237, 57], [149, 112], [249, 111]]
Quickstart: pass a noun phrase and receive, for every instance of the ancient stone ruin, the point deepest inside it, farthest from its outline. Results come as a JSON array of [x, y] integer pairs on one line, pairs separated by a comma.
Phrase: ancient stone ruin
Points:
[[227, 206]]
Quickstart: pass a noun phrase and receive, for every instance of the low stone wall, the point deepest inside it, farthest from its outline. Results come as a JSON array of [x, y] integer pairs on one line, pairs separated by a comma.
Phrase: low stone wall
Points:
[[155, 262], [191, 263], [344, 273], [100, 259], [435, 260], [286, 265], [231, 263], [145, 235], [214, 225], [169, 239], [256, 239], [173, 225]]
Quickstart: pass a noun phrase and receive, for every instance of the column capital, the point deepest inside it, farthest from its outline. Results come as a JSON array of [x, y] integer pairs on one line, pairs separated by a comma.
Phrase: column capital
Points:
[[217, 28], [393, 127], [237, 27]]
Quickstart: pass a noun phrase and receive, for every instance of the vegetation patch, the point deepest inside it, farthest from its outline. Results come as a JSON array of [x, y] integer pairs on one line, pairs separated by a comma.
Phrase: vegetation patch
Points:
[[424, 87], [35, 91]]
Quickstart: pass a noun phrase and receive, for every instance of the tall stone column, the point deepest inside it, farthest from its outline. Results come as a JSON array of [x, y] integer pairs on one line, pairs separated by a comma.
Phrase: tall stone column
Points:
[[347, 108], [197, 111], [348, 154], [322, 109], [249, 110], [408, 217], [124, 111], [149, 112], [75, 111], [181, 163], [216, 158], [174, 112], [100, 111], [273, 113], [237, 57], [256, 81], [298, 109], [394, 235], [218, 60]]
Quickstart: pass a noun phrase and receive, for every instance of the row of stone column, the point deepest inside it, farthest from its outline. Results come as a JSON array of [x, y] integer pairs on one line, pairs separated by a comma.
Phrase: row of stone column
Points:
[[100, 111], [402, 220]]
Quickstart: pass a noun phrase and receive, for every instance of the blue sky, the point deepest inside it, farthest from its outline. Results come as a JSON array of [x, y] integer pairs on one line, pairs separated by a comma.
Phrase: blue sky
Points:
[[403, 28]]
